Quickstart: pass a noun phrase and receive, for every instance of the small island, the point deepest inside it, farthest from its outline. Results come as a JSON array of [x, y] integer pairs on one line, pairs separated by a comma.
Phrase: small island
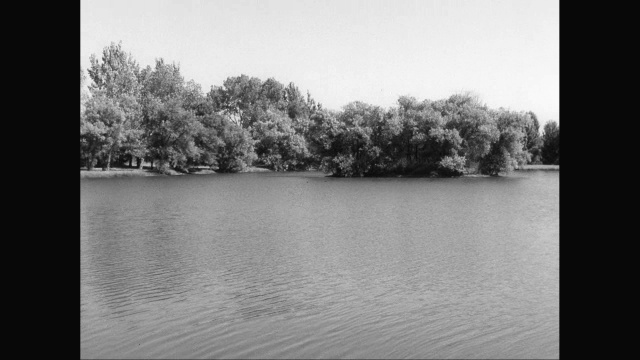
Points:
[[130, 116]]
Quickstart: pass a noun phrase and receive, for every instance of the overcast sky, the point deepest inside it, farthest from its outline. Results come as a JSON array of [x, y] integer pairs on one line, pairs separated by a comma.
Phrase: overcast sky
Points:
[[505, 51]]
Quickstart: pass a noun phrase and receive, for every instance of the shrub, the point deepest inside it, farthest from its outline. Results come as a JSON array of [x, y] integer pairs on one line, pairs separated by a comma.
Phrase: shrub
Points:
[[452, 165]]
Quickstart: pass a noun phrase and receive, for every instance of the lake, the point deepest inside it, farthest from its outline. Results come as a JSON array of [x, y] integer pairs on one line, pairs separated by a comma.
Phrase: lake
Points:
[[300, 265]]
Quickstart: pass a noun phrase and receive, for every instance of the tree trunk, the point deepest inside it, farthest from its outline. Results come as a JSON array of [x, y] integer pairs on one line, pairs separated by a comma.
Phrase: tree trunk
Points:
[[151, 164], [108, 167], [130, 160], [139, 162], [90, 161]]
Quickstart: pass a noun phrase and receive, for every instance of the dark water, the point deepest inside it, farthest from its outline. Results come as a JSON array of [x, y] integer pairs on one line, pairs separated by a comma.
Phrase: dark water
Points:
[[300, 265]]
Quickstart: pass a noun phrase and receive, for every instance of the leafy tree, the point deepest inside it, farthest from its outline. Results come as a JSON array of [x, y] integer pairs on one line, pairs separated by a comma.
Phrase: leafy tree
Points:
[[272, 95], [551, 143], [453, 165], [132, 144], [173, 140], [208, 140], [323, 129], [103, 129], [193, 98], [507, 152], [153, 113], [278, 145], [533, 141], [475, 123], [385, 130], [245, 98], [237, 146], [84, 96], [325, 140], [237, 98], [426, 137], [349, 150], [163, 82], [360, 113], [297, 107], [217, 99], [116, 74], [275, 115], [444, 143], [170, 110], [356, 152], [83, 101]]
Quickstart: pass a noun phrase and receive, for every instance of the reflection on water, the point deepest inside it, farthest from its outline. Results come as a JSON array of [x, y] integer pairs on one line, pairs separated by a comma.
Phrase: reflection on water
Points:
[[304, 266]]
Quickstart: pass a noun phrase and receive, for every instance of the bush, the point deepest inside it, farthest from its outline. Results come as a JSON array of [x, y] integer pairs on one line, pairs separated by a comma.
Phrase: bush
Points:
[[341, 165], [452, 165], [164, 168], [495, 162]]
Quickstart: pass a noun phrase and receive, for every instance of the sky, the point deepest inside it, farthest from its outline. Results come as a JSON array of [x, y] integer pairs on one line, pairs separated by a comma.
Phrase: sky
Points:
[[505, 51]]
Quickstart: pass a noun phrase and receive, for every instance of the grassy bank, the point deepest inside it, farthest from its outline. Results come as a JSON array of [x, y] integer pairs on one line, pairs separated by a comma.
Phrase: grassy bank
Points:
[[540, 167], [116, 172], [147, 171]]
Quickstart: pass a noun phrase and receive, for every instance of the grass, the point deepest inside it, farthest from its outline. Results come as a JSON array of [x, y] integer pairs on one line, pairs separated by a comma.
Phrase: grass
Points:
[[203, 170], [541, 167], [116, 172], [147, 171]]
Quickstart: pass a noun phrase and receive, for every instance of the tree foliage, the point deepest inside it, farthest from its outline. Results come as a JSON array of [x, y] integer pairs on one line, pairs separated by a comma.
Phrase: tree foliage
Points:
[[154, 114], [102, 130], [116, 73], [551, 143], [533, 141]]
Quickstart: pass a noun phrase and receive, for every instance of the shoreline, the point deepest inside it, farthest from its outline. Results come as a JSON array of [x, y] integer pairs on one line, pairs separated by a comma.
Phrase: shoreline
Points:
[[539, 167], [117, 172], [98, 173]]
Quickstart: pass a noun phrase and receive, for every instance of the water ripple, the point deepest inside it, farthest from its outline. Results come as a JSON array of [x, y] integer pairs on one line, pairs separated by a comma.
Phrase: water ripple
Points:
[[303, 266]]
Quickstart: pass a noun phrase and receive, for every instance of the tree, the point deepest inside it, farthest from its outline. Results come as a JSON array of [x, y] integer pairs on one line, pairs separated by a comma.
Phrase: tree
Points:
[[349, 149], [173, 139], [153, 113], [507, 152], [102, 130], [323, 128], [117, 73], [236, 150], [132, 144], [169, 122], [163, 82], [84, 96], [475, 123], [452, 165], [273, 95], [116, 76], [277, 144], [424, 140], [551, 143], [237, 98], [295, 101], [193, 98], [208, 141], [533, 141]]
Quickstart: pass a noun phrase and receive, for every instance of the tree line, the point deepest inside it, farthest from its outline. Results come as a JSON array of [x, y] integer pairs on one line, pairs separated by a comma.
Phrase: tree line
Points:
[[133, 114]]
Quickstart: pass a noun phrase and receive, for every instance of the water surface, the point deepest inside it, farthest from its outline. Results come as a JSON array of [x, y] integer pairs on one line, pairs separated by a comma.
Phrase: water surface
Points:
[[300, 265]]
